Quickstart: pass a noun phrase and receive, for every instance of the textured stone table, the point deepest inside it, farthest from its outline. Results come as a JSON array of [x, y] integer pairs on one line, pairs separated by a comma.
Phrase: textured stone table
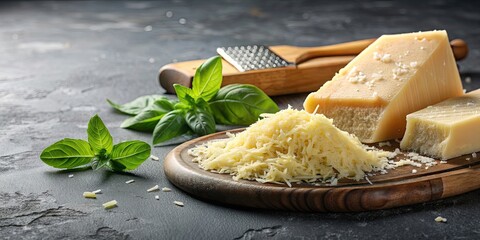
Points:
[[59, 61]]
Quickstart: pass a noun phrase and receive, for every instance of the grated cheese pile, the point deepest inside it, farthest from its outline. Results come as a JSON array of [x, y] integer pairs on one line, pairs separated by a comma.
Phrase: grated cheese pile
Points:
[[290, 146]]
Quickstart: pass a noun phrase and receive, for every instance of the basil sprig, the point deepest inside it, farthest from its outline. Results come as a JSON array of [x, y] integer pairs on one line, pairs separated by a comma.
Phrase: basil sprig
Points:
[[98, 152], [199, 108]]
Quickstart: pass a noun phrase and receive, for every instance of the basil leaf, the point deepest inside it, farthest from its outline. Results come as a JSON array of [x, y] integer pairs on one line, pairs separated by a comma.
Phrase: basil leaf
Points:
[[129, 155], [68, 153], [171, 125], [148, 118], [98, 135], [200, 121], [207, 79], [116, 166], [163, 105], [181, 106], [99, 162], [240, 104], [144, 121], [179, 139], [182, 92], [136, 106]]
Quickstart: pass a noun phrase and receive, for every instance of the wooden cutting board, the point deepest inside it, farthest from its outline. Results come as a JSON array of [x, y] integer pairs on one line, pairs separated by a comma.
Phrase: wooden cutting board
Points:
[[399, 187]]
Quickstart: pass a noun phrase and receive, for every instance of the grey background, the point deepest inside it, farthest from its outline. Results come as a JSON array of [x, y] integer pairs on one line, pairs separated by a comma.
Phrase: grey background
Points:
[[59, 61]]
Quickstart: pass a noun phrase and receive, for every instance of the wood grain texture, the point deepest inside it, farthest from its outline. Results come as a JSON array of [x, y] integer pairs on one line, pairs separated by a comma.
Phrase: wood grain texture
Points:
[[399, 187], [308, 76]]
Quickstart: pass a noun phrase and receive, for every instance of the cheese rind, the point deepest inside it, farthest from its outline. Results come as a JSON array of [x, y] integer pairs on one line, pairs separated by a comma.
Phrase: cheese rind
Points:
[[394, 76], [446, 130]]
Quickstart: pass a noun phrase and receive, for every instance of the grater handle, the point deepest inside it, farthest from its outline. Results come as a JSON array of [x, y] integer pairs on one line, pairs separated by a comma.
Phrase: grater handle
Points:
[[459, 47], [341, 49]]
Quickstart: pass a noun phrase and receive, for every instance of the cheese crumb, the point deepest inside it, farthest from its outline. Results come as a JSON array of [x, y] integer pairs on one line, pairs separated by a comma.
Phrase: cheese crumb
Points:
[[157, 197], [110, 204], [368, 180], [166, 189], [178, 203], [443, 162], [382, 144], [154, 158], [385, 58], [355, 76], [70, 176], [154, 188], [440, 219], [97, 191], [376, 77], [414, 171], [474, 155], [130, 181], [89, 195], [334, 182]]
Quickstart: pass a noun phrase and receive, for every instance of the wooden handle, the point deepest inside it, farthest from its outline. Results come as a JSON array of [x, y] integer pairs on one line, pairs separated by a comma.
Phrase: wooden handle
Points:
[[459, 47], [341, 49]]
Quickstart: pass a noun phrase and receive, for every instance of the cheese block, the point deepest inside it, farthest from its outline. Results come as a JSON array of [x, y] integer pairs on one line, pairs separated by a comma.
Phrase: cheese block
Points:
[[445, 130], [394, 76]]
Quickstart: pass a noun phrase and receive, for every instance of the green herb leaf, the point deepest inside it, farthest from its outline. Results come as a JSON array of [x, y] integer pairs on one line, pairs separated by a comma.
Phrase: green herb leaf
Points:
[[144, 121], [116, 166], [99, 162], [200, 121], [170, 126], [98, 135], [149, 117], [240, 104], [182, 93], [208, 79], [129, 155], [68, 153], [163, 104], [136, 106]]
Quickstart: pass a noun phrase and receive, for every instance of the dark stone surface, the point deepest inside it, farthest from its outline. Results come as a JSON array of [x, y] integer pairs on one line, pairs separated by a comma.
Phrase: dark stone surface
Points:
[[60, 60]]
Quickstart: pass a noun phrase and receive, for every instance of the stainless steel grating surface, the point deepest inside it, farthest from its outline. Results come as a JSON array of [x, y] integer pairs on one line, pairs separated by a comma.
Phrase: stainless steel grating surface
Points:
[[254, 57]]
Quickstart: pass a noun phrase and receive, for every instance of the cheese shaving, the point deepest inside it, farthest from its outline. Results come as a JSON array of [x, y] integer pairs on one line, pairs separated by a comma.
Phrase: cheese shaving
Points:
[[89, 195], [110, 204], [290, 146]]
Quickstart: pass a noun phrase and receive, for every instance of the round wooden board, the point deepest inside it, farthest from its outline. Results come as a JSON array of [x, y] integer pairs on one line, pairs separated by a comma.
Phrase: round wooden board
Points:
[[399, 187]]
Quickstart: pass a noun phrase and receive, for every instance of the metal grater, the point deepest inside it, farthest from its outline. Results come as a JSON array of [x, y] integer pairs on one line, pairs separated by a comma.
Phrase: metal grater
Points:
[[254, 57]]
